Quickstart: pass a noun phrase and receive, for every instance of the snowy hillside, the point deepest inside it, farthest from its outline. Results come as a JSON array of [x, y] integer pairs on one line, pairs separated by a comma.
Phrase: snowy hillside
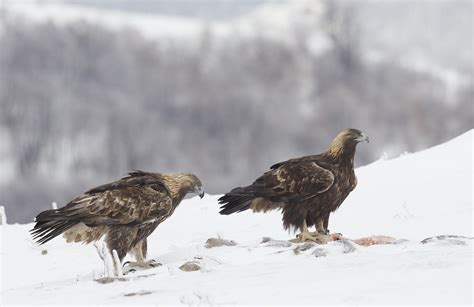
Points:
[[277, 21], [380, 22], [411, 198]]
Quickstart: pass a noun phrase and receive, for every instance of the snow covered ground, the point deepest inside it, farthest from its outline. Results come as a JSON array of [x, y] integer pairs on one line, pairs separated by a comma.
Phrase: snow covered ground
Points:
[[410, 198]]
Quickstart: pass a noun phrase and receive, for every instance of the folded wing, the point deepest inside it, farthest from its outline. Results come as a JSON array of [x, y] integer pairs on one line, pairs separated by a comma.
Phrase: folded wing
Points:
[[286, 183], [125, 202]]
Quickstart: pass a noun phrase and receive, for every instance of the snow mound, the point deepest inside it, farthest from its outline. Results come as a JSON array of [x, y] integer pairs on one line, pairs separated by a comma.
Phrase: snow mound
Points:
[[424, 200], [414, 196]]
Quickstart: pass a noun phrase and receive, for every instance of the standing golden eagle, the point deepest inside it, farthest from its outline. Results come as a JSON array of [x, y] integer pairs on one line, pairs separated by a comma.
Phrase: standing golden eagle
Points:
[[125, 212], [306, 189]]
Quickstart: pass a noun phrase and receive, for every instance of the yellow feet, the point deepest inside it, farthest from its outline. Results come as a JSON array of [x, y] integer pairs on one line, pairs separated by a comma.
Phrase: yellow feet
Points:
[[335, 236], [308, 236]]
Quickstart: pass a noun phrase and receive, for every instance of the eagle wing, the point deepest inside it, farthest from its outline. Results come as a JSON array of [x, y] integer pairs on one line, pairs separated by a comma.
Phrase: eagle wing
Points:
[[294, 181], [136, 199], [135, 178], [126, 206], [129, 206]]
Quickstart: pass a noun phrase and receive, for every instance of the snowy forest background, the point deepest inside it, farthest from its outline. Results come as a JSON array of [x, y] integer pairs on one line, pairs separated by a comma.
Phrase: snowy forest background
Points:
[[252, 83]]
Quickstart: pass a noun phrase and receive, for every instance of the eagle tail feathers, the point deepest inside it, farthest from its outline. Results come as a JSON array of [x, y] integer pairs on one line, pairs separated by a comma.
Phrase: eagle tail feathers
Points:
[[237, 200], [50, 224]]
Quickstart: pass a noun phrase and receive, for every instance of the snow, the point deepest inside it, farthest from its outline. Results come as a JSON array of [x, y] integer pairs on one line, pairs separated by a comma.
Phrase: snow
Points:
[[413, 197], [63, 14], [276, 21]]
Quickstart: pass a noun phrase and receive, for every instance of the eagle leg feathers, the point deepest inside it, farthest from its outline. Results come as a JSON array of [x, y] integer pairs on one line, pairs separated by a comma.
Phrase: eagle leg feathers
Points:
[[321, 226]]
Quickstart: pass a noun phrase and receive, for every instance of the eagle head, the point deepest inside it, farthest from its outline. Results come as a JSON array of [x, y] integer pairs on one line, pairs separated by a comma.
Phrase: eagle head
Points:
[[350, 136], [183, 183], [195, 185], [198, 190], [346, 141], [355, 135]]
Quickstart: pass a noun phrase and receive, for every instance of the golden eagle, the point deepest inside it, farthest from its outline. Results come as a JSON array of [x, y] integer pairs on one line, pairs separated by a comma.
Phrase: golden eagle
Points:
[[124, 212], [305, 189]]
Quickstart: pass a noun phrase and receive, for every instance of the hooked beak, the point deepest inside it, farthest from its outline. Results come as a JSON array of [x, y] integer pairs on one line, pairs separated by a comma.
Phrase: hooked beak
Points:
[[199, 191], [363, 137]]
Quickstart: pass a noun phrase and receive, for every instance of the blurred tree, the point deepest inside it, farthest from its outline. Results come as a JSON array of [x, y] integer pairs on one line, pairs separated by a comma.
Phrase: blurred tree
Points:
[[84, 104]]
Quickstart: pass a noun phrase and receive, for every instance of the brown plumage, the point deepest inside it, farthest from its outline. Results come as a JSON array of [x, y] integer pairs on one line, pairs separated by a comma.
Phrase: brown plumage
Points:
[[306, 189], [124, 212]]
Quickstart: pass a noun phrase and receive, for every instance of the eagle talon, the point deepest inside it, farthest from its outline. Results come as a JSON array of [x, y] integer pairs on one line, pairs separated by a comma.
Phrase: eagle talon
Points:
[[309, 236], [154, 264], [142, 264], [129, 271], [305, 236]]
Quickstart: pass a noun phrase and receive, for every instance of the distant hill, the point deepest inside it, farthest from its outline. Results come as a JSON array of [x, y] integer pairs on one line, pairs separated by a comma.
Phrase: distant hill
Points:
[[88, 93]]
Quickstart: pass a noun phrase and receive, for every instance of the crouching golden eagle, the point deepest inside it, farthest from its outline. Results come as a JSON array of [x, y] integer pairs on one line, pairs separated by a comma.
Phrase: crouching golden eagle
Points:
[[306, 189], [124, 212]]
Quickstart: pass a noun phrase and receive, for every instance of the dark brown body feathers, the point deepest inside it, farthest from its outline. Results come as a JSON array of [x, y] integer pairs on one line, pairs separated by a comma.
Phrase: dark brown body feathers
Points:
[[307, 188], [125, 211]]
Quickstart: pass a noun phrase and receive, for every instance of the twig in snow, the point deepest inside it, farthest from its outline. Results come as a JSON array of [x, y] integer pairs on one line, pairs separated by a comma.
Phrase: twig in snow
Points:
[[3, 216]]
